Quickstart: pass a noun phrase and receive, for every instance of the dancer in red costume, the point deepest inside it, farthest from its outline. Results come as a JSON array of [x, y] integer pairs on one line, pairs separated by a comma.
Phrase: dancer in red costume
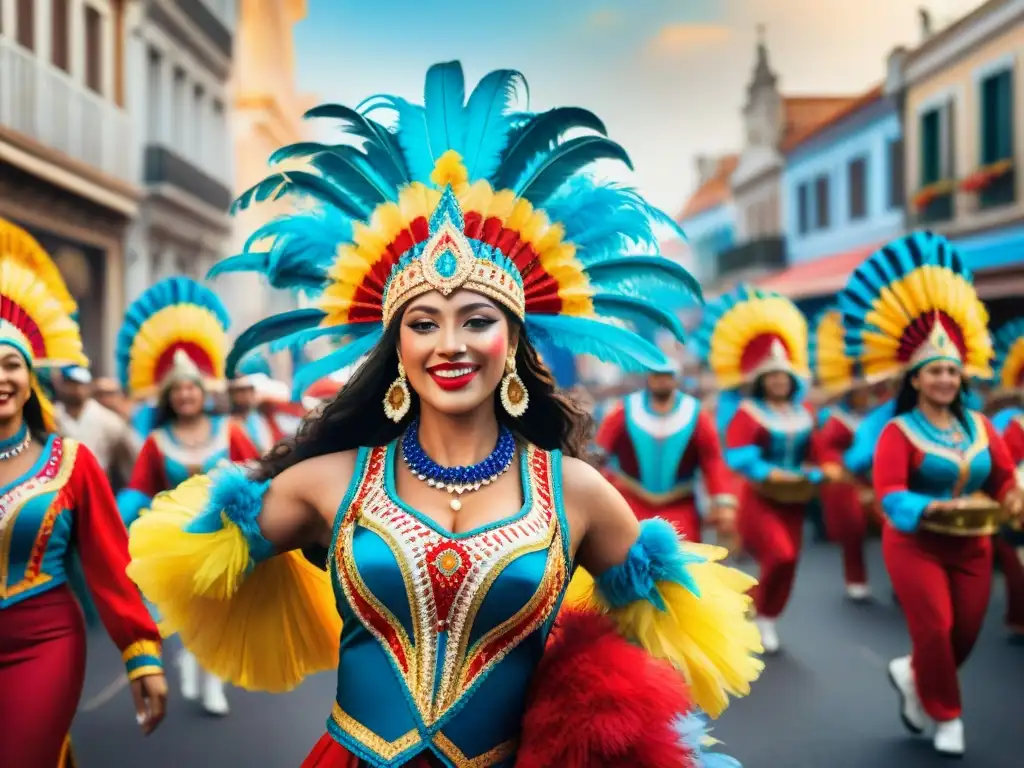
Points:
[[757, 349], [942, 474], [55, 502], [846, 499], [655, 441]]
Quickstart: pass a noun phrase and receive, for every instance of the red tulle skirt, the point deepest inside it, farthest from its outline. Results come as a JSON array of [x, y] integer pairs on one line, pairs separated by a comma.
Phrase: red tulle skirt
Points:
[[42, 671], [330, 754]]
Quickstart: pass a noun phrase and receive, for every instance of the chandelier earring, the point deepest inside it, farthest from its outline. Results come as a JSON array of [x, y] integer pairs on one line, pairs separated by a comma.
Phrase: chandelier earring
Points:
[[514, 397], [398, 399]]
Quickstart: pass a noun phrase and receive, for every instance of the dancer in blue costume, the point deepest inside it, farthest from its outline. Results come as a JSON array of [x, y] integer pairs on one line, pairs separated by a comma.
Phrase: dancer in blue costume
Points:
[[443, 481]]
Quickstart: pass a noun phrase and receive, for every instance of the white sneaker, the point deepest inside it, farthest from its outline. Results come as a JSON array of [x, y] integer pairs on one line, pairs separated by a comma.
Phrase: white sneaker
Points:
[[214, 700], [858, 592], [911, 711], [188, 670], [769, 636], [949, 738]]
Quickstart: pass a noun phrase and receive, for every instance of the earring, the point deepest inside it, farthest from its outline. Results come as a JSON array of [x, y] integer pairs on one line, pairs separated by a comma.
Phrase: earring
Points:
[[397, 399], [514, 397]]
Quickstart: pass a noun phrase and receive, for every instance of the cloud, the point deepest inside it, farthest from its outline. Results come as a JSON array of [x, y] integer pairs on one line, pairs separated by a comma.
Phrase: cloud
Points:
[[678, 39]]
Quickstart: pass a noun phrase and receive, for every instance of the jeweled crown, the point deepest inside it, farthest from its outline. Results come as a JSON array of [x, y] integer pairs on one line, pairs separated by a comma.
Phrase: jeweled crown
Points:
[[937, 346], [448, 261]]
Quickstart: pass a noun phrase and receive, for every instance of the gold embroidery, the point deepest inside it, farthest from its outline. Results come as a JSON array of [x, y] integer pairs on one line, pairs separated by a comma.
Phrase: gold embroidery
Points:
[[377, 744], [499, 754], [962, 461], [489, 551], [141, 648], [11, 504]]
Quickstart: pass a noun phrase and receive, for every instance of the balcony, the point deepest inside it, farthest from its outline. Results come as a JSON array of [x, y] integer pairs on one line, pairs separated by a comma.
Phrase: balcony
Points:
[[163, 166], [1000, 191], [938, 210], [766, 254], [45, 104], [215, 18]]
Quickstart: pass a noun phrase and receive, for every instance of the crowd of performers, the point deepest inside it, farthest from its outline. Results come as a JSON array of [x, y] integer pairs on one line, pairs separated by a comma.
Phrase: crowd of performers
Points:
[[438, 531]]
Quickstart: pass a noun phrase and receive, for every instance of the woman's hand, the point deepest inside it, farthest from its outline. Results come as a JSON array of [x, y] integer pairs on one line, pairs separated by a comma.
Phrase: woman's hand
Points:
[[1014, 503], [784, 476], [833, 472], [942, 505], [150, 696]]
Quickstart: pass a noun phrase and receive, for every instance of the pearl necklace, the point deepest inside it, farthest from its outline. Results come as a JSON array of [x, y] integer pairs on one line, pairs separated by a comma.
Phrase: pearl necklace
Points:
[[457, 480], [15, 445]]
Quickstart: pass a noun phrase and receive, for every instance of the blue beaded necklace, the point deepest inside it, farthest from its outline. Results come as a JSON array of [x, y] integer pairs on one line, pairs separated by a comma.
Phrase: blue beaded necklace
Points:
[[457, 480], [15, 444], [951, 437]]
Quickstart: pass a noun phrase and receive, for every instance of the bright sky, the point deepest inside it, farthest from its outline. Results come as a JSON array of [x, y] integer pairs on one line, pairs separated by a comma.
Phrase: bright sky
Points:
[[668, 77]]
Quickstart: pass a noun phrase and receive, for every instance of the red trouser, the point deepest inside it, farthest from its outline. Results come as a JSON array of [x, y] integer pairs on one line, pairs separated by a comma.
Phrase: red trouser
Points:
[[772, 534], [943, 585], [1013, 573], [847, 523], [42, 670]]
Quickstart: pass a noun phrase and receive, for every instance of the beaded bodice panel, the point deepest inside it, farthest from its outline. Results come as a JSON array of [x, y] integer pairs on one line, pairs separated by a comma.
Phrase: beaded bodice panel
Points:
[[182, 462], [434, 619], [36, 524]]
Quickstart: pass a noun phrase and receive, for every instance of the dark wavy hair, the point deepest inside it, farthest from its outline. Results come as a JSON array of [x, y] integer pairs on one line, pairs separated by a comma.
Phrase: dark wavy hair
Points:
[[32, 414], [907, 397], [355, 417]]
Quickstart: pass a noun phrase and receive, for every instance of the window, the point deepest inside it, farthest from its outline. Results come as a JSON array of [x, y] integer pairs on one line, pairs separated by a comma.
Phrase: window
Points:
[[997, 117], [821, 202], [803, 209], [179, 106], [931, 162], [93, 50], [59, 52], [858, 171], [896, 186], [26, 32], [154, 95]]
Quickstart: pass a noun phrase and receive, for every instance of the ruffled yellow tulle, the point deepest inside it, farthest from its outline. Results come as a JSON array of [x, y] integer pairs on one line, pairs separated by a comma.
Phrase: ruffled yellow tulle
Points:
[[709, 638], [265, 629]]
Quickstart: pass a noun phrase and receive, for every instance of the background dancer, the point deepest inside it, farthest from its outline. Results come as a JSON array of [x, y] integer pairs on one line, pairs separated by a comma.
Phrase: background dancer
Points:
[[756, 344], [173, 346], [655, 442], [55, 503], [912, 308]]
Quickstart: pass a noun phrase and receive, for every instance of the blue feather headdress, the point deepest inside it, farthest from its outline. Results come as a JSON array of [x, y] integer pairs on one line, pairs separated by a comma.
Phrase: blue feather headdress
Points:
[[462, 192], [1008, 342]]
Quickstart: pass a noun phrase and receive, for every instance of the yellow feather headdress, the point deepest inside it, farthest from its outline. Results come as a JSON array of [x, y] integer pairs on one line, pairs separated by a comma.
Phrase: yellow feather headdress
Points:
[[913, 302], [834, 369], [19, 245], [750, 332]]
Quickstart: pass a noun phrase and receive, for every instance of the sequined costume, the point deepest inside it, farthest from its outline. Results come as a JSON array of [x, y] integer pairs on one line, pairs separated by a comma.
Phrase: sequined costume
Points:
[[653, 459], [910, 304], [59, 506], [847, 501], [457, 649]]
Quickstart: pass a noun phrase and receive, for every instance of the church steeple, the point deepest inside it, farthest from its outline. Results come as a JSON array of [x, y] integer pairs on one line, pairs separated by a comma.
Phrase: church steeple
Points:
[[764, 77]]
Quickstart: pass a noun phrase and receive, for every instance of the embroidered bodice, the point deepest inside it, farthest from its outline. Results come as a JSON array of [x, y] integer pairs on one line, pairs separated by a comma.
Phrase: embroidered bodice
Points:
[[181, 462], [36, 524], [954, 463], [660, 440], [442, 631], [786, 435]]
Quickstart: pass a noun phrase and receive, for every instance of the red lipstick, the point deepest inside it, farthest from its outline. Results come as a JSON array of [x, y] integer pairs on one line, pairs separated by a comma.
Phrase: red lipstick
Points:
[[453, 376]]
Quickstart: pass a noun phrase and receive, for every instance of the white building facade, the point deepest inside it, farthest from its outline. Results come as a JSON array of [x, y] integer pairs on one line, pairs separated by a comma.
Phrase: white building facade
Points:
[[178, 66]]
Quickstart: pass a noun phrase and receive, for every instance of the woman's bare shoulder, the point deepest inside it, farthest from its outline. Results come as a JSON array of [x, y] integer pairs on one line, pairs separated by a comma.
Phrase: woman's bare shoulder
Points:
[[320, 481]]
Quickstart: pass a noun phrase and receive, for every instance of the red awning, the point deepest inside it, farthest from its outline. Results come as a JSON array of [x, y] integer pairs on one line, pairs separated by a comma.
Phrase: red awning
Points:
[[819, 277]]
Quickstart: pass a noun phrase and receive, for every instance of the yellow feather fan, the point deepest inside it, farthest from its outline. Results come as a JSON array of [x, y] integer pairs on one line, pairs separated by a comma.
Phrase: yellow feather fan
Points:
[[264, 629], [710, 638], [832, 367]]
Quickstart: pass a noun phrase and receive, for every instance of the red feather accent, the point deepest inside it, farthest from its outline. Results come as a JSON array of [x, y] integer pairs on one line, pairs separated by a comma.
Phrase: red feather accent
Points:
[[757, 350], [22, 320], [598, 701], [920, 328], [196, 354]]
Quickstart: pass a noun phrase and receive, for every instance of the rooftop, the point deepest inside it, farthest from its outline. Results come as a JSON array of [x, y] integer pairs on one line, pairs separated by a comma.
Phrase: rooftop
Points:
[[714, 191], [811, 129]]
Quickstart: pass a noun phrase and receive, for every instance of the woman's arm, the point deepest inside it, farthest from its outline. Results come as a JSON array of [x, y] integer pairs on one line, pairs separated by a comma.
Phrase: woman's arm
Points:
[[1014, 439], [670, 597], [893, 461], [743, 452], [102, 545], [148, 479], [1001, 483]]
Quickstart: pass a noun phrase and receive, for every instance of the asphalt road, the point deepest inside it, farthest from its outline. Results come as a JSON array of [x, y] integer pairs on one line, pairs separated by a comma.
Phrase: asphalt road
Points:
[[823, 703]]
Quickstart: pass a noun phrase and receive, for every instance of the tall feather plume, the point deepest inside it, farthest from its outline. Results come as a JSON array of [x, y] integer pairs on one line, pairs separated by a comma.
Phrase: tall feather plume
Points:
[[488, 121], [443, 97], [607, 342], [381, 146]]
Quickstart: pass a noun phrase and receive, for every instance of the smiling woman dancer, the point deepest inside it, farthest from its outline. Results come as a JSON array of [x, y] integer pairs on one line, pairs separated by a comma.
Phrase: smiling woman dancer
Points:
[[443, 480], [55, 501], [912, 309]]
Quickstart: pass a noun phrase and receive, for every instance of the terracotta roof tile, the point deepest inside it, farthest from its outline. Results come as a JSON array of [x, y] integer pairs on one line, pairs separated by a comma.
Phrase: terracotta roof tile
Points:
[[795, 138], [804, 113], [714, 191]]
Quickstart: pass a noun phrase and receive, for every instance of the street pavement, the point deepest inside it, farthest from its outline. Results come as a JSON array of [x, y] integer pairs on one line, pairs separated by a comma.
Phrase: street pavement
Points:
[[823, 703]]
